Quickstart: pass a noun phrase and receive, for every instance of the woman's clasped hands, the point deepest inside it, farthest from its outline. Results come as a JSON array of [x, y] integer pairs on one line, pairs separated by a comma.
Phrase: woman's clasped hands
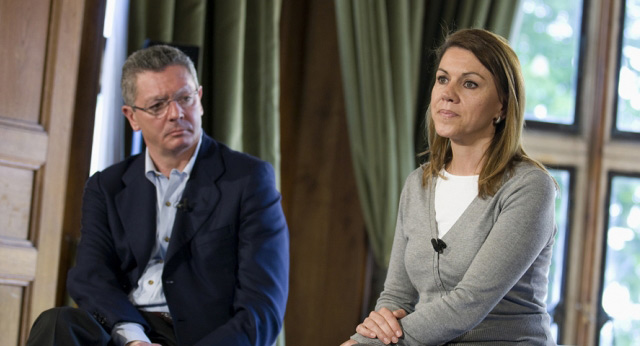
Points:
[[382, 324]]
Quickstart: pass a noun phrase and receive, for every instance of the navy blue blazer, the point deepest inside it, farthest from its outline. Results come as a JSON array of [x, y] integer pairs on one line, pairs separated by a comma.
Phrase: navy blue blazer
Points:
[[226, 272]]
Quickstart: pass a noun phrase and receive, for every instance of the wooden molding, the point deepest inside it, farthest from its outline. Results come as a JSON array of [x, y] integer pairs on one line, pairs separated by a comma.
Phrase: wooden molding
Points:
[[17, 262], [26, 144]]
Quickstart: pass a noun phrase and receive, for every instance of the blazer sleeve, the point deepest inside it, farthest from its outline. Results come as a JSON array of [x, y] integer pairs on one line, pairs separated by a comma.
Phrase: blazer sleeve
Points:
[[97, 283], [263, 266]]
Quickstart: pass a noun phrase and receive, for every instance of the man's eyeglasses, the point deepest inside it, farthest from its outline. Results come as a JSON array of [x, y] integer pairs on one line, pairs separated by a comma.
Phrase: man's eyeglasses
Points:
[[159, 109]]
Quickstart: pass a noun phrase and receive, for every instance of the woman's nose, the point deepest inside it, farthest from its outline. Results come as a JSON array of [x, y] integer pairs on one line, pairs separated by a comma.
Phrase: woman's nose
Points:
[[448, 93]]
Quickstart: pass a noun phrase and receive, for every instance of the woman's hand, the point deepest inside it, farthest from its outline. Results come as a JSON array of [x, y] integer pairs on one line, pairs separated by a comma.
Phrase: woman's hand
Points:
[[349, 342], [382, 324]]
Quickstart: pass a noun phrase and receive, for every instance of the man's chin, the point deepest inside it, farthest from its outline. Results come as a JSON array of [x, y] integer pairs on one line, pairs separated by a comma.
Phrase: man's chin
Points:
[[178, 144]]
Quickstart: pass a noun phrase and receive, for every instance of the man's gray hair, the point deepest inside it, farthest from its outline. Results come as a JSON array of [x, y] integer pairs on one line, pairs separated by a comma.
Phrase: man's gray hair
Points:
[[156, 59]]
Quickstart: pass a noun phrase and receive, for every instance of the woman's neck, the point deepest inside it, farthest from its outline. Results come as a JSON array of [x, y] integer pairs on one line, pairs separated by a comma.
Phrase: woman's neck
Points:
[[466, 160]]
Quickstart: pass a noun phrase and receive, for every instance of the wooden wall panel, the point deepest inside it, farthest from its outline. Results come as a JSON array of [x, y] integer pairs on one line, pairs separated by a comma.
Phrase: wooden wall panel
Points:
[[57, 117], [40, 49], [11, 298], [328, 239], [17, 262], [24, 144], [23, 39], [15, 201]]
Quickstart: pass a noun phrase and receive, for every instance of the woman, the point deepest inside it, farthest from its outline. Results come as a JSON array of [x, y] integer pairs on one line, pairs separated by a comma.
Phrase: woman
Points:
[[475, 225]]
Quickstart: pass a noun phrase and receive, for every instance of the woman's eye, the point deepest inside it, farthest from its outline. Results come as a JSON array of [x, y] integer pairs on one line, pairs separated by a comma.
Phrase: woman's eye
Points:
[[470, 85], [442, 79]]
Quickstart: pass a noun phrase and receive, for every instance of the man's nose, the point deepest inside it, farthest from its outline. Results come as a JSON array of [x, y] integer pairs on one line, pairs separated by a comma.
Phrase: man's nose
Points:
[[174, 111]]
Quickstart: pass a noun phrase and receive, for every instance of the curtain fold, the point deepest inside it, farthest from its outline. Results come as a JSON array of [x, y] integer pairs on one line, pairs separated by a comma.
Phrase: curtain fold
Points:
[[245, 76], [238, 66], [379, 51]]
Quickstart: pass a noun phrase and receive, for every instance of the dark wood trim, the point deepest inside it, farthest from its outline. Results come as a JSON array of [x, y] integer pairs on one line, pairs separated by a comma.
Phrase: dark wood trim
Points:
[[91, 51], [585, 323]]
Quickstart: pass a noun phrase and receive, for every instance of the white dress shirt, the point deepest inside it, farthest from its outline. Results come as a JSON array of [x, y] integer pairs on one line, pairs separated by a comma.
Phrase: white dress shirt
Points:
[[149, 295]]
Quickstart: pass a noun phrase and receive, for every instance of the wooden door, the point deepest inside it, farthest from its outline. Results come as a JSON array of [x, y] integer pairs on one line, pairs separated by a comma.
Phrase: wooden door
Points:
[[39, 57]]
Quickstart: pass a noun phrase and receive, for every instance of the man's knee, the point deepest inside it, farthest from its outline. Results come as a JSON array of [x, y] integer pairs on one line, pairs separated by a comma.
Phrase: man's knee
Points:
[[64, 323], [63, 314]]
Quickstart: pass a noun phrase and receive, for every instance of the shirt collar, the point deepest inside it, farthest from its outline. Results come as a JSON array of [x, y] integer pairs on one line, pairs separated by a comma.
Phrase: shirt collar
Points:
[[151, 170]]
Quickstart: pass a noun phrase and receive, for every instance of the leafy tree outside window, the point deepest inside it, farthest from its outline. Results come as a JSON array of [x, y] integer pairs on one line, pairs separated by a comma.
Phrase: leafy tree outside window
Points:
[[620, 299], [628, 106], [546, 37]]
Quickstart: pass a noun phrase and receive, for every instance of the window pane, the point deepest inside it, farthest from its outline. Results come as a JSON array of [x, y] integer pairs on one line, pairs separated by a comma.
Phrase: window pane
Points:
[[621, 277], [546, 36], [557, 270], [628, 111]]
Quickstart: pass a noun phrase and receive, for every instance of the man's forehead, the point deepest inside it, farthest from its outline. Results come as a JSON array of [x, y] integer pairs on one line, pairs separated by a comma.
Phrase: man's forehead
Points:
[[173, 78]]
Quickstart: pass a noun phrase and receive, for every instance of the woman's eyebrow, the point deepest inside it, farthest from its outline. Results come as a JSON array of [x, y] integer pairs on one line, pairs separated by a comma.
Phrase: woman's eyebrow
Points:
[[465, 74]]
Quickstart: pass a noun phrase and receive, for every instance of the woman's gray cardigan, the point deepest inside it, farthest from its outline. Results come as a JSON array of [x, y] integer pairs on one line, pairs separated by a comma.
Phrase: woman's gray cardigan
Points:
[[490, 282]]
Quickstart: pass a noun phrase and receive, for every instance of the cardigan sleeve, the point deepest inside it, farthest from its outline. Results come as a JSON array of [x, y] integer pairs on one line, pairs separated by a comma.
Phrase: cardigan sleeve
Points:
[[398, 292], [524, 226]]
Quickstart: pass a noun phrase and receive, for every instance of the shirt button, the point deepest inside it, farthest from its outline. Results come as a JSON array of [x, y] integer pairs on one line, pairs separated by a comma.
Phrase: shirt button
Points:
[[150, 282], [160, 261], [166, 239], [167, 203]]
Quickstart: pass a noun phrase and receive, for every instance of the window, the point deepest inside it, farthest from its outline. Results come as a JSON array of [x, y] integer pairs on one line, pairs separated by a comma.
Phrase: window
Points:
[[546, 37], [620, 297], [557, 271], [627, 123], [581, 64], [108, 132]]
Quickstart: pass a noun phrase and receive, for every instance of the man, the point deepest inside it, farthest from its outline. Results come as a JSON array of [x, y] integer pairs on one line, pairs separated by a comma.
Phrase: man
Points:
[[185, 244]]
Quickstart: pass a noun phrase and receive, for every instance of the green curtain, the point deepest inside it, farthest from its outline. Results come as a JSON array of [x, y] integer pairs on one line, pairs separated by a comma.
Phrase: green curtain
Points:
[[379, 42], [238, 65]]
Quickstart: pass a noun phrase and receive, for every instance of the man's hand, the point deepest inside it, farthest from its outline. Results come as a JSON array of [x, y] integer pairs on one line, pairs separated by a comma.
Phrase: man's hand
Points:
[[382, 324], [140, 343]]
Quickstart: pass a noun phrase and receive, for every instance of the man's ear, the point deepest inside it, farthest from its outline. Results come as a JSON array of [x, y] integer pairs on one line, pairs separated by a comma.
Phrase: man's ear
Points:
[[131, 116]]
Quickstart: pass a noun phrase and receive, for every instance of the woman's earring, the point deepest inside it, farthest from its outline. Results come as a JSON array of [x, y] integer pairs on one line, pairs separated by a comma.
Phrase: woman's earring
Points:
[[497, 120]]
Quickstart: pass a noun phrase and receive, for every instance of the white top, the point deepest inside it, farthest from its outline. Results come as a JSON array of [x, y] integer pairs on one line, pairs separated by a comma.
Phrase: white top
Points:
[[453, 196]]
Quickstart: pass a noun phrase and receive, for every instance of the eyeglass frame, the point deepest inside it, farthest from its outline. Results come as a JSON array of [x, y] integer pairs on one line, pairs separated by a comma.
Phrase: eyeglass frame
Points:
[[165, 109]]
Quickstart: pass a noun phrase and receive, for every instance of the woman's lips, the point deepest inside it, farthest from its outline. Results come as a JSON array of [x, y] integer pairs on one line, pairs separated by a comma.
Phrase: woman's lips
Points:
[[447, 113]]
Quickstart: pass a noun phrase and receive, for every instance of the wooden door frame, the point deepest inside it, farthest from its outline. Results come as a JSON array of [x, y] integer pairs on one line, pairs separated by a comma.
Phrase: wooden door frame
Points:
[[67, 113]]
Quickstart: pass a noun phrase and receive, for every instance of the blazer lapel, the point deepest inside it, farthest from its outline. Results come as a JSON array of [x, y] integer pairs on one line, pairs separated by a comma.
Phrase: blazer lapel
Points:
[[201, 196], [136, 205]]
